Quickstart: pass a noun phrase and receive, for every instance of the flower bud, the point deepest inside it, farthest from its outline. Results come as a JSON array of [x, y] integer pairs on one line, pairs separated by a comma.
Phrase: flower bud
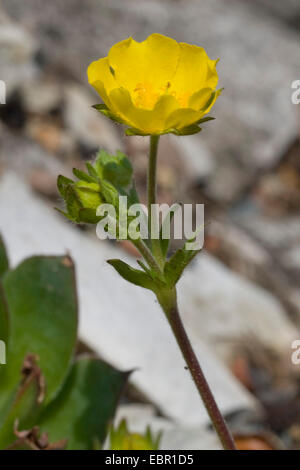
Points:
[[88, 194]]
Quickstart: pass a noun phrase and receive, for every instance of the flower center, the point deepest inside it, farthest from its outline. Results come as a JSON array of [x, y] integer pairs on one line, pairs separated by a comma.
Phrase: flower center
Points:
[[145, 96], [182, 98]]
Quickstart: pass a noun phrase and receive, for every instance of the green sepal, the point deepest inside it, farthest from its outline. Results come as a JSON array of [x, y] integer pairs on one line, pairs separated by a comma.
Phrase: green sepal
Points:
[[205, 119], [91, 170], [103, 109], [189, 130], [81, 175], [132, 131], [88, 216], [62, 183], [73, 202], [135, 276], [65, 214]]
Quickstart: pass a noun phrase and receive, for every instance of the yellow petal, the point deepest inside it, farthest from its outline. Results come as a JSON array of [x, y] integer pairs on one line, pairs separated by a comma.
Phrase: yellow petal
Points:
[[207, 107], [148, 64], [200, 104], [101, 78], [195, 71], [201, 99], [147, 121], [183, 117]]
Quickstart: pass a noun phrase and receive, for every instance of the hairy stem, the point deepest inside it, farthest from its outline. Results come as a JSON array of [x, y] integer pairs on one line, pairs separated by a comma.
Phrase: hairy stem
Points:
[[153, 222], [167, 300], [148, 256], [198, 375]]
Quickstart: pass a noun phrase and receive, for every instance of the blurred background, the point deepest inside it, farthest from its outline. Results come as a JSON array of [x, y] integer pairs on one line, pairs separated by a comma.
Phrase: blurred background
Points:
[[240, 299]]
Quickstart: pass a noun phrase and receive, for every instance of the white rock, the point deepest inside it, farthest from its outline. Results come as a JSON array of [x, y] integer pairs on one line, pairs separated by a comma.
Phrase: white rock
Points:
[[17, 48], [86, 124], [41, 96], [225, 308], [197, 157]]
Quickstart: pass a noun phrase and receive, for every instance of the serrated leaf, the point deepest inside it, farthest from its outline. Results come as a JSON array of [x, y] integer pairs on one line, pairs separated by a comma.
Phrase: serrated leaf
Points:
[[115, 169], [81, 175], [110, 193], [135, 276], [42, 306], [91, 170], [86, 405], [175, 266]]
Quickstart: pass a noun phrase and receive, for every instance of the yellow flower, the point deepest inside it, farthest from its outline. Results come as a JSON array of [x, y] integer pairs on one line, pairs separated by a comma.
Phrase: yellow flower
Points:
[[156, 86]]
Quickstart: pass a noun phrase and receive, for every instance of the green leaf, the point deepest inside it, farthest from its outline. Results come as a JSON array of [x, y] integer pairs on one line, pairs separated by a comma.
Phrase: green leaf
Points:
[[62, 183], [42, 305], [86, 405], [81, 175], [91, 170], [4, 319], [122, 439], [25, 405], [110, 193], [4, 264], [73, 202], [116, 169], [135, 276], [88, 216], [175, 266], [133, 197]]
